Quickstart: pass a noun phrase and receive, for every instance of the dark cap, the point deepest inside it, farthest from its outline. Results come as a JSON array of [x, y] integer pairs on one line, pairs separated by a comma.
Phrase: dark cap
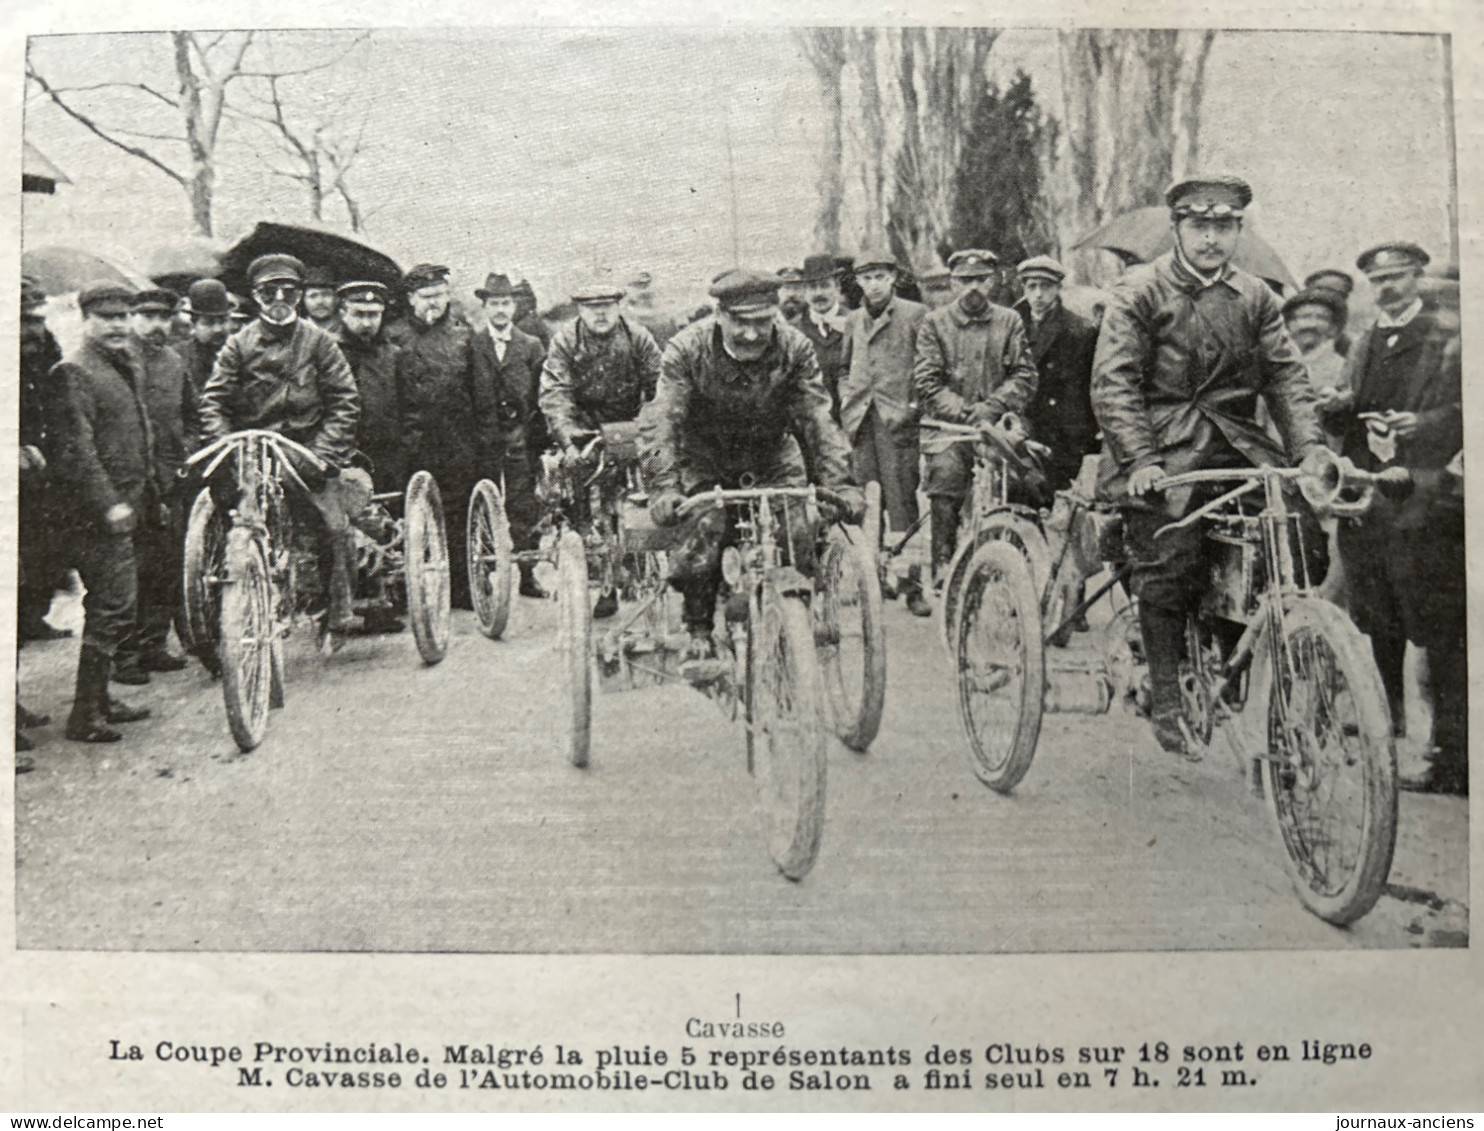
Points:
[[208, 296], [742, 288], [1331, 279], [157, 300], [1041, 267], [790, 275], [1214, 194], [275, 268], [319, 277], [1318, 296], [972, 263], [875, 255], [495, 286], [817, 268], [33, 298], [424, 275], [363, 290], [105, 298], [1390, 256]]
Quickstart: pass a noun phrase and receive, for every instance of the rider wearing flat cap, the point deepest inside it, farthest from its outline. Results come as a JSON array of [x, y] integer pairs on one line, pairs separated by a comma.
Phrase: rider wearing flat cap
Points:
[[282, 372], [739, 393], [1188, 345]]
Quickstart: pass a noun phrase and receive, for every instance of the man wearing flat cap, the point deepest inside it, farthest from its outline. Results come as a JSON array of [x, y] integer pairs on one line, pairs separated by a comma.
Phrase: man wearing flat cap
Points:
[[740, 401], [823, 320], [282, 372], [791, 301], [1188, 345], [362, 337], [435, 394], [1313, 317], [1342, 285], [320, 301], [507, 386], [878, 410], [1402, 406], [972, 365], [105, 476], [211, 326], [160, 542]]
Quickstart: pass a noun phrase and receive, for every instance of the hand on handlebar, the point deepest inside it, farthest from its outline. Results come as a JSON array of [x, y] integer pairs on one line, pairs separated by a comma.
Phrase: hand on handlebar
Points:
[[1146, 479], [119, 519], [851, 504], [665, 506]]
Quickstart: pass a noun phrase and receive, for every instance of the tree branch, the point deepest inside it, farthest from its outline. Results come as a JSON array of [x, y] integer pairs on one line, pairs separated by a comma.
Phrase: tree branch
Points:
[[92, 126], [361, 37]]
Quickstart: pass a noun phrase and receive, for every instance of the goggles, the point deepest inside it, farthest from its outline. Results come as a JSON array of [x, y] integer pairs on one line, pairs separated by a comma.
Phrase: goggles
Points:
[[1208, 211], [276, 289]]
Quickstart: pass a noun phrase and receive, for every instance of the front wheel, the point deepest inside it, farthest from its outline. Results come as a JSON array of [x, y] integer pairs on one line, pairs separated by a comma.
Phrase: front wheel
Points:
[[490, 558], [1001, 662], [849, 637], [247, 639], [788, 738], [205, 548], [575, 639], [426, 569], [1330, 777]]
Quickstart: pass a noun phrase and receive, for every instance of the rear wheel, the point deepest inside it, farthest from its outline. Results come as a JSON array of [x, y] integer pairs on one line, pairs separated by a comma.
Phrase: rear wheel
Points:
[[1331, 776], [247, 645], [789, 734], [848, 637], [1001, 665], [205, 549], [490, 559], [425, 539], [575, 638]]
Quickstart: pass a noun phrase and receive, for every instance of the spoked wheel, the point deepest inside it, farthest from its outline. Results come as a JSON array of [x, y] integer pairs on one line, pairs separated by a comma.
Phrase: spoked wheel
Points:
[[1001, 663], [205, 551], [1331, 777], [788, 733], [575, 638], [1004, 526], [490, 558], [426, 543], [849, 637], [247, 645]]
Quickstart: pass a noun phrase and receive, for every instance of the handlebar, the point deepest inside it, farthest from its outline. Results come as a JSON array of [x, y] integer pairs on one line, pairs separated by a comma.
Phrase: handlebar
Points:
[[999, 434], [215, 452], [717, 497]]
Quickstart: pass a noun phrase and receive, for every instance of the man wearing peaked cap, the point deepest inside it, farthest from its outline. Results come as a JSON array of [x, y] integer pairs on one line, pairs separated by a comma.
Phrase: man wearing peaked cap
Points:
[[506, 388], [972, 366], [362, 337], [1188, 345], [282, 372], [791, 301], [823, 320], [1405, 562], [740, 401], [878, 410]]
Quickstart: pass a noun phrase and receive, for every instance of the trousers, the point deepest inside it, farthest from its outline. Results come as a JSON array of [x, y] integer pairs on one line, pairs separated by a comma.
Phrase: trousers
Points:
[[887, 455]]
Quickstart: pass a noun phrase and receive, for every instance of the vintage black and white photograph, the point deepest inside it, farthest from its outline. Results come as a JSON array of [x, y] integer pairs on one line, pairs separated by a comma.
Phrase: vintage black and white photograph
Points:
[[744, 491]]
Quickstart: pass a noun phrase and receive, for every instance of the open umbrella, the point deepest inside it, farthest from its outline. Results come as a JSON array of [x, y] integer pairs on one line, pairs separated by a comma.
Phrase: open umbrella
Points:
[[317, 246], [178, 265], [62, 270], [1145, 234]]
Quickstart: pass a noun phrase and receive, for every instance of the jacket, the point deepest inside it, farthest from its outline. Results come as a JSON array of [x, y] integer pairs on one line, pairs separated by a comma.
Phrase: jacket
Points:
[[829, 348], [297, 383], [1178, 372], [199, 362], [962, 361], [876, 361], [435, 397], [379, 430], [589, 380], [165, 393], [507, 393], [713, 417], [1060, 415]]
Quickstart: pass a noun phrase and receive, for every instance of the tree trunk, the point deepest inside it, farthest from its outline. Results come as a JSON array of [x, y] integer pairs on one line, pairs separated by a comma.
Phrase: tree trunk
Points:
[[825, 50], [202, 178], [874, 148]]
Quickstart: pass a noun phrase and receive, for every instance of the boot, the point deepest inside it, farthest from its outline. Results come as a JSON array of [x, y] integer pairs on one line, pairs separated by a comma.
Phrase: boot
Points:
[[342, 614], [1164, 640], [117, 711], [529, 586], [607, 605], [944, 541], [128, 669], [161, 659], [917, 604], [87, 722]]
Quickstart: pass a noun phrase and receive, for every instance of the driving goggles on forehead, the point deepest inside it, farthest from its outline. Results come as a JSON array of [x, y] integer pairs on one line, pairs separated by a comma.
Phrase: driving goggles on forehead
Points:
[[1208, 212]]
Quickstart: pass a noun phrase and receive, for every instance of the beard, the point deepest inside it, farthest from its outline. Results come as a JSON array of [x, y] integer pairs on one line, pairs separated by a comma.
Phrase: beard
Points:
[[280, 314], [974, 302], [793, 308]]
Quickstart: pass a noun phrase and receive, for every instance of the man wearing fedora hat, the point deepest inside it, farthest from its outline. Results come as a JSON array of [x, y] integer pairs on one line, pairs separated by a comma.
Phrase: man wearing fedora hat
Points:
[[506, 387], [823, 320], [211, 326], [1401, 405], [877, 409], [104, 473]]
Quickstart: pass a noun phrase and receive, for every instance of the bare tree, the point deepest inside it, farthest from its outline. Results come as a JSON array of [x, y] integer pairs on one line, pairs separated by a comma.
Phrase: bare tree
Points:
[[824, 48]]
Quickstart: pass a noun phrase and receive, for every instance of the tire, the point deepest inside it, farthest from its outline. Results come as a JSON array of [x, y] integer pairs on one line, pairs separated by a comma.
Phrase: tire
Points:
[[205, 551], [1005, 526], [491, 561], [575, 638], [246, 646], [849, 638], [425, 567], [790, 733], [1339, 733], [1001, 665]]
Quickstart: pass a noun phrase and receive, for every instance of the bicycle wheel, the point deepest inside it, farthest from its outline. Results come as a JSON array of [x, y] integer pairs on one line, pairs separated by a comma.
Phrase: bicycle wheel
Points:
[[849, 638], [1005, 526], [1330, 779], [789, 735], [575, 638], [205, 547], [490, 558], [1001, 663], [247, 631], [946, 610], [425, 540]]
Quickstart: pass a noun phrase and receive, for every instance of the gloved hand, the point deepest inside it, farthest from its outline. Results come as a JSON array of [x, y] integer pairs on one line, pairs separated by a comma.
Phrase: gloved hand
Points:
[[664, 507], [119, 519], [981, 413], [854, 500]]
